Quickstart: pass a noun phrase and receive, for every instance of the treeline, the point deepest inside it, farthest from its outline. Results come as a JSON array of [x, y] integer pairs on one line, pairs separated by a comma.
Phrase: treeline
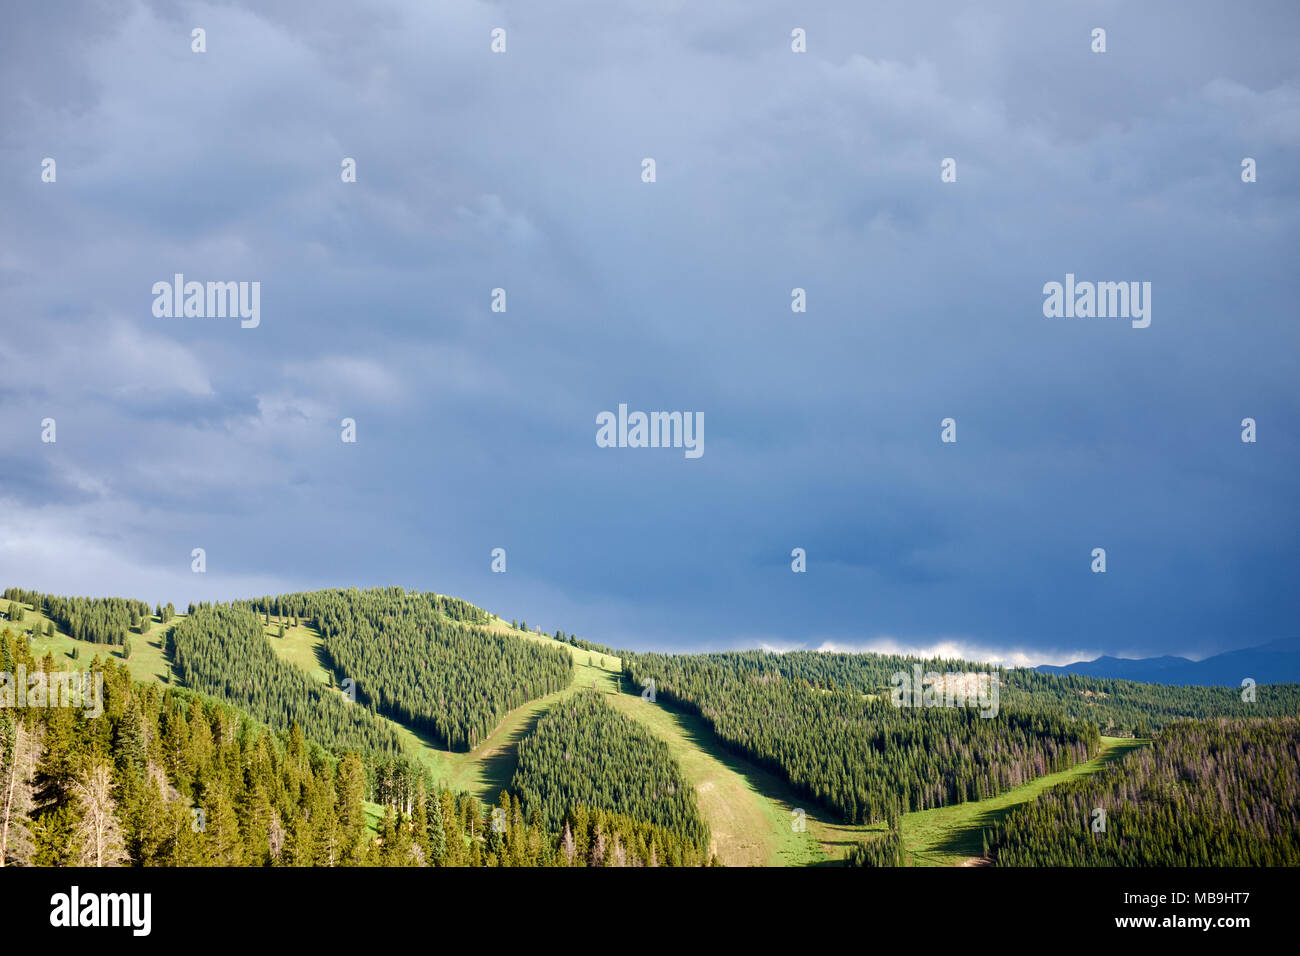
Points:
[[885, 850], [1219, 792], [414, 660], [221, 651], [861, 757], [1117, 707], [585, 753], [101, 620], [572, 640], [459, 830], [303, 604], [1122, 707]]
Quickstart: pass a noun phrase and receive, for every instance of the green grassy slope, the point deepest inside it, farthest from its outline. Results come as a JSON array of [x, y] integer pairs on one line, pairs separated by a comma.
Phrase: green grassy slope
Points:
[[952, 836], [748, 810], [148, 661]]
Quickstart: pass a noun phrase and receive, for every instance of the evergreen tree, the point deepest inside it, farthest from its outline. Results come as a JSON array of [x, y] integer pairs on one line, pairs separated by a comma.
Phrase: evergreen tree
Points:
[[437, 838]]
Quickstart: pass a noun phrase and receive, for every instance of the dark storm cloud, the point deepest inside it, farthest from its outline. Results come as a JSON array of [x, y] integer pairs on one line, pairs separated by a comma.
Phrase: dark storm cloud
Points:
[[476, 429]]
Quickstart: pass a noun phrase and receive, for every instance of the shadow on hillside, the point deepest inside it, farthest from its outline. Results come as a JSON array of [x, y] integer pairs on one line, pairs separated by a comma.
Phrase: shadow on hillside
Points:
[[498, 768], [968, 839], [323, 661], [173, 676], [763, 782], [843, 837]]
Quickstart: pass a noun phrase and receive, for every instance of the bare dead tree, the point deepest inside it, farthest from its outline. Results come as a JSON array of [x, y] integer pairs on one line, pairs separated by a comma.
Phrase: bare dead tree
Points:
[[99, 833], [19, 750]]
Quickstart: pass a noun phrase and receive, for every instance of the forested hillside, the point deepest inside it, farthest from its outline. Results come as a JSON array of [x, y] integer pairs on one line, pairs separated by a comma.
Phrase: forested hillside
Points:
[[221, 651], [864, 758], [1130, 707], [246, 713], [415, 660], [166, 778], [1118, 707], [1205, 793], [307, 604], [585, 753], [101, 620]]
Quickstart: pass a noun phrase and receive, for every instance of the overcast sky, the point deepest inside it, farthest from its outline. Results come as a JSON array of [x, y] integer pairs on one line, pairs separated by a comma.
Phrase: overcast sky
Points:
[[775, 170]]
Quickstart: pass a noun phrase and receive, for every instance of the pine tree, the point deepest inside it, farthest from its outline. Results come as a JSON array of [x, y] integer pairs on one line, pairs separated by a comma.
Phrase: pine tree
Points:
[[420, 822], [255, 811], [222, 842], [128, 742], [437, 839], [350, 787], [147, 832], [455, 833], [56, 816]]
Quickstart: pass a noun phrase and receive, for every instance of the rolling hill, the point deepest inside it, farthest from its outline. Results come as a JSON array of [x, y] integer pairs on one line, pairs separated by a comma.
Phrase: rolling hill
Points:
[[1277, 662], [753, 811]]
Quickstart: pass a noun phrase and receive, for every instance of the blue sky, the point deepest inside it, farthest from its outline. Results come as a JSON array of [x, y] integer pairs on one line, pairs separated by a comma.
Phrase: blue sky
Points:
[[775, 170]]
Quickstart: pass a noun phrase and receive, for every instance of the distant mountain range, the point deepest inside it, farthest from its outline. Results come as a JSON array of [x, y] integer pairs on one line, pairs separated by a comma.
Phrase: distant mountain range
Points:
[[1277, 662]]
